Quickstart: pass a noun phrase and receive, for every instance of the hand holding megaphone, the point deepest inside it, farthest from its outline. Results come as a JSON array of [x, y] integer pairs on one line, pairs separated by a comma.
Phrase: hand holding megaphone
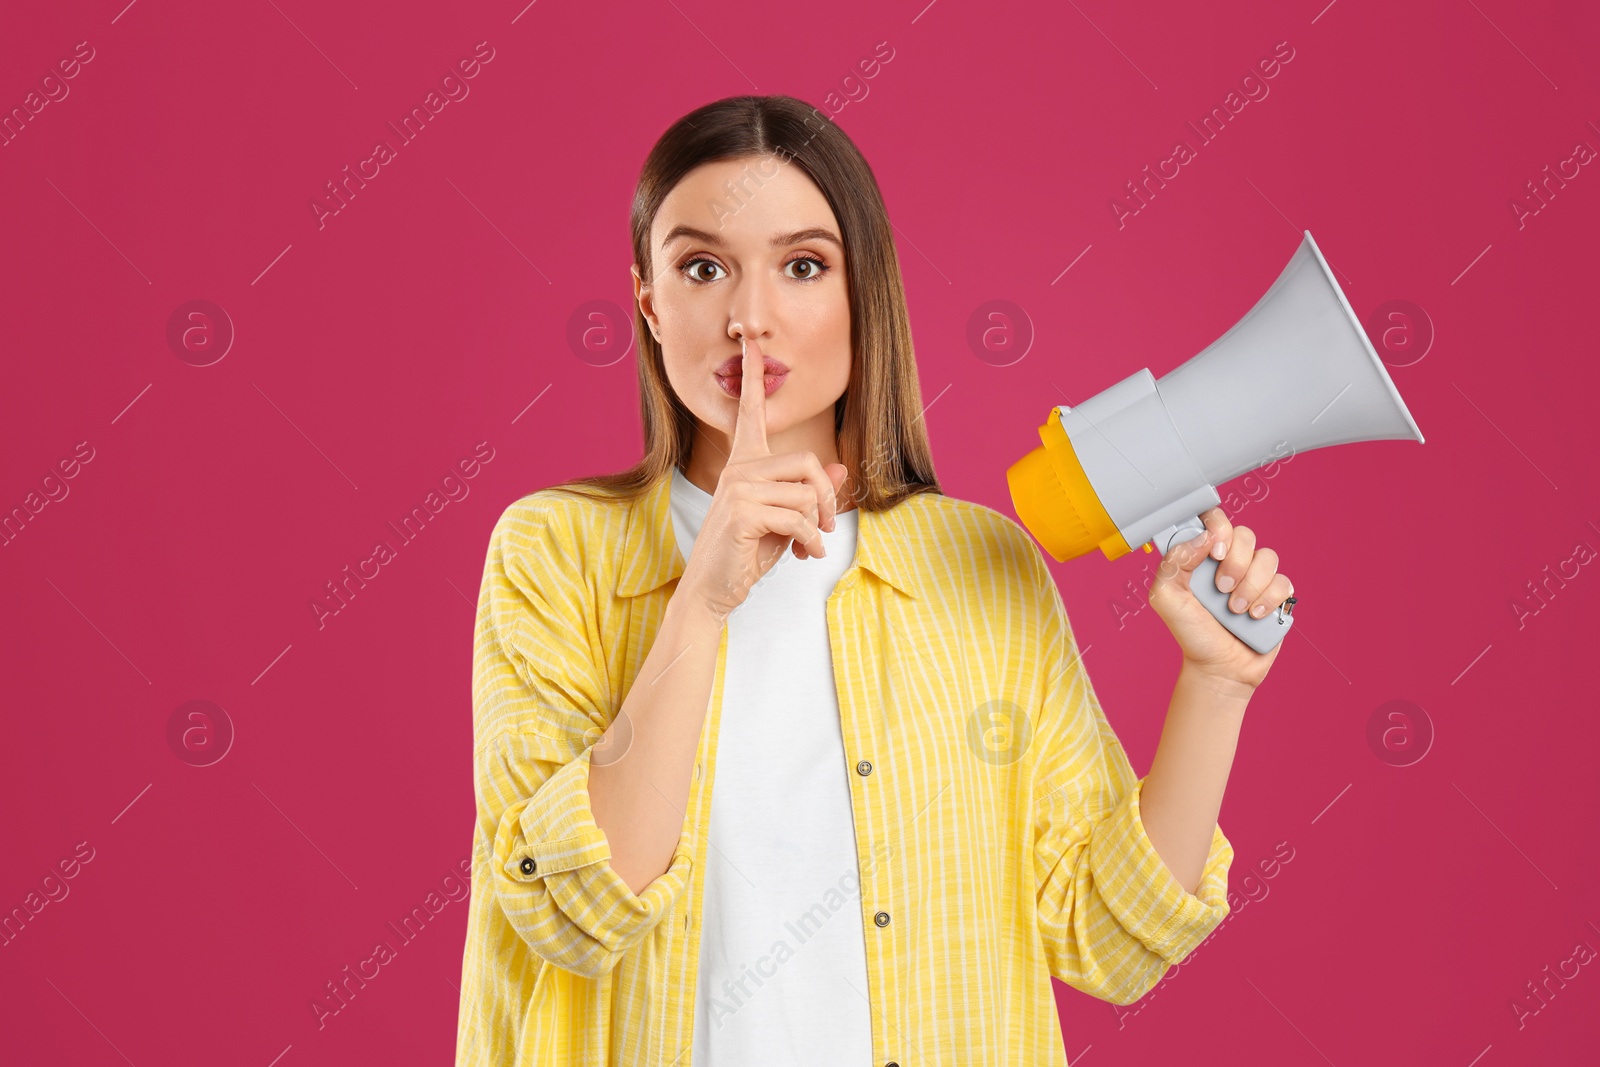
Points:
[[1140, 462], [1227, 563]]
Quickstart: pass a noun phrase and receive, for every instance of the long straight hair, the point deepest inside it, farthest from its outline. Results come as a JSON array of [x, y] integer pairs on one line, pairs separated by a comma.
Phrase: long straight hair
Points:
[[881, 435]]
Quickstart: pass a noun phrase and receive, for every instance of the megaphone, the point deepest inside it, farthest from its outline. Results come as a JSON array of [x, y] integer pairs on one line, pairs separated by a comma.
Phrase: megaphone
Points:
[[1139, 462]]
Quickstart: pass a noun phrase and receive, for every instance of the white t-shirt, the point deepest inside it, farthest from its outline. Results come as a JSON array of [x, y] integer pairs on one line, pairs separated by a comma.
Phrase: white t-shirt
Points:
[[783, 955]]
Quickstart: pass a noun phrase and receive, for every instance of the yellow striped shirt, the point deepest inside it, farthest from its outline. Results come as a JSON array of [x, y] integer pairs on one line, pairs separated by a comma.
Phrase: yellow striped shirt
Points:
[[996, 814]]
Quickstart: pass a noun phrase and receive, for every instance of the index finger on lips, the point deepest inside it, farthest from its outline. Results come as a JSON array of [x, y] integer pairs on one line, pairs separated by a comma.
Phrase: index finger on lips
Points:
[[750, 424]]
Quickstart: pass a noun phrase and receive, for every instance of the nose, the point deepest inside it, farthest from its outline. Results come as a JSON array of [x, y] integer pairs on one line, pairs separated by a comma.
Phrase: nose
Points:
[[739, 331], [748, 311]]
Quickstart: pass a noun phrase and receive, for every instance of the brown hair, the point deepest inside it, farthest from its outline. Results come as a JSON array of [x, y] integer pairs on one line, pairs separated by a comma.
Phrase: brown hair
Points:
[[883, 440]]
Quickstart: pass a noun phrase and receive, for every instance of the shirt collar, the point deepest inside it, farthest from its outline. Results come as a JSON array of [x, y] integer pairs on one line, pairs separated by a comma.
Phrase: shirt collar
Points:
[[651, 557]]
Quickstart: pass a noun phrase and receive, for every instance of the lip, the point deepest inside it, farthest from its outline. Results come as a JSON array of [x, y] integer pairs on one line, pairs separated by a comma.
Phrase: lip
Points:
[[733, 384], [734, 366]]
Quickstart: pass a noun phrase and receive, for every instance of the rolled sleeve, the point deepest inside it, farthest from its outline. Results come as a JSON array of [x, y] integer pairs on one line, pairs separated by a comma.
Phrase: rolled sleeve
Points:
[[1141, 891], [1112, 917], [540, 702], [554, 878]]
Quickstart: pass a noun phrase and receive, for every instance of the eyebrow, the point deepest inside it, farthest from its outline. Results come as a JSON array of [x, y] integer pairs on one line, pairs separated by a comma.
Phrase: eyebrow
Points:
[[814, 233]]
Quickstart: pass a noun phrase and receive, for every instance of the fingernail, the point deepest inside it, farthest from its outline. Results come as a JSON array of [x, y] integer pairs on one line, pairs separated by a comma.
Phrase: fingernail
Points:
[[1237, 603], [1259, 610], [1225, 583], [1219, 550]]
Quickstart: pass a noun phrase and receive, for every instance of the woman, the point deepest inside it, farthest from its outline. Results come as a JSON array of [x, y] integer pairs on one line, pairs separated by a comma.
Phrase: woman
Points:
[[921, 812]]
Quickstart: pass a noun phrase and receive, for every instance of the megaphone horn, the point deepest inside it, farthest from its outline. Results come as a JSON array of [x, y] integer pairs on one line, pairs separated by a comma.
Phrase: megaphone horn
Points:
[[1139, 462]]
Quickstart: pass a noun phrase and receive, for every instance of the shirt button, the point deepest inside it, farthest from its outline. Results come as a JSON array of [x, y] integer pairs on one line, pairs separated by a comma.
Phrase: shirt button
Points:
[[527, 866], [882, 918], [864, 767]]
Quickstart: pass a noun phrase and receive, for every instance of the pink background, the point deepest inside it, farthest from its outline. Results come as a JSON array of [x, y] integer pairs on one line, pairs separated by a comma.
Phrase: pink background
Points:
[[433, 311]]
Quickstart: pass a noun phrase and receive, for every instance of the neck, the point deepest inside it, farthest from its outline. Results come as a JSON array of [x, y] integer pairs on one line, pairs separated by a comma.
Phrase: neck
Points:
[[709, 453]]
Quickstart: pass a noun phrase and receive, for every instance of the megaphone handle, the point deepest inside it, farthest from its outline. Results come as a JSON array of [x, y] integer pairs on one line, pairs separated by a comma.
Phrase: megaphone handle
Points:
[[1261, 634]]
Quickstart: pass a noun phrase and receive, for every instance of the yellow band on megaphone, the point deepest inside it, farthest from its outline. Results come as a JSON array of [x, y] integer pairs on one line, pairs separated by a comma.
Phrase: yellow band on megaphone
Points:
[[1055, 501]]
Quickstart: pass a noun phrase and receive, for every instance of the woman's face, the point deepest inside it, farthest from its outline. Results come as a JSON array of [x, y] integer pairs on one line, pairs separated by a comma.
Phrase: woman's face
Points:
[[751, 245]]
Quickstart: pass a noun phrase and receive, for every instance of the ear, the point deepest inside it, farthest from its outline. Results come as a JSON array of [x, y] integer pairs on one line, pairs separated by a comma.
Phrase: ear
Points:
[[645, 298]]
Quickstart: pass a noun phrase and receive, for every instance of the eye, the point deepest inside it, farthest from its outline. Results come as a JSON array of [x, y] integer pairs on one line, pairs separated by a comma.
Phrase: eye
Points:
[[815, 268], [684, 268]]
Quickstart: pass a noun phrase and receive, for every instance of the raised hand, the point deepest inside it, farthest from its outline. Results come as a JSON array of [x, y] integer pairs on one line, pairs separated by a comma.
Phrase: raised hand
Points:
[[1247, 571], [763, 504]]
